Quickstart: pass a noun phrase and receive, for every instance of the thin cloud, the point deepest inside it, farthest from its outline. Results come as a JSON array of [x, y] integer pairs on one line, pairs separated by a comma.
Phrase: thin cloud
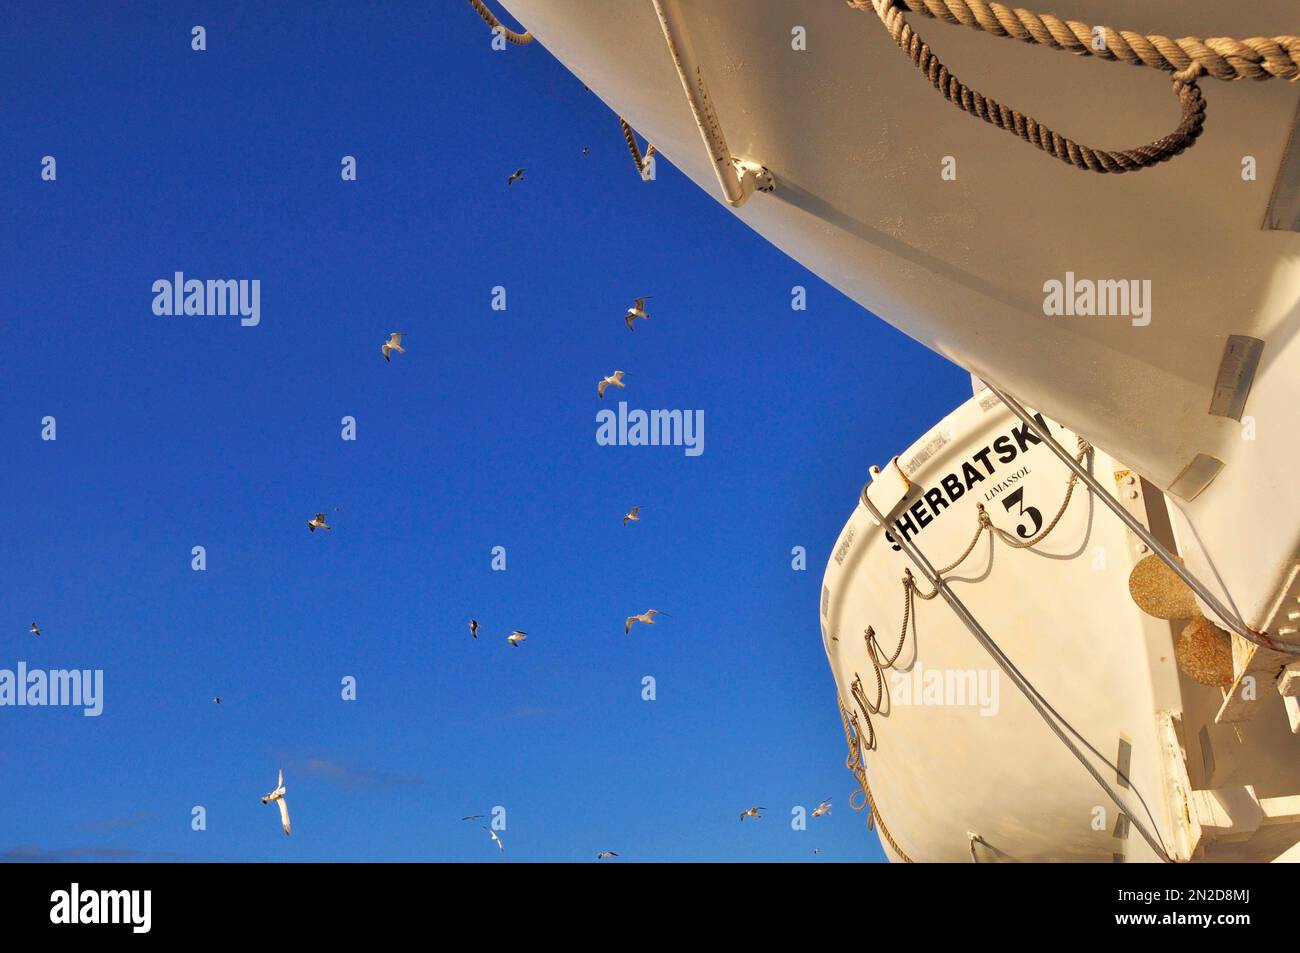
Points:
[[353, 777]]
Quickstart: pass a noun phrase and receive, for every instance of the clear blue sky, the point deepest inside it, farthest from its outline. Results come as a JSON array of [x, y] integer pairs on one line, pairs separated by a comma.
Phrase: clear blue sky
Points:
[[174, 432]]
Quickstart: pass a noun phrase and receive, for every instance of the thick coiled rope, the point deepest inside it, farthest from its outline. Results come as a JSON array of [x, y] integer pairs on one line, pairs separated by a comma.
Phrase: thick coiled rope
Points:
[[519, 39], [1186, 58]]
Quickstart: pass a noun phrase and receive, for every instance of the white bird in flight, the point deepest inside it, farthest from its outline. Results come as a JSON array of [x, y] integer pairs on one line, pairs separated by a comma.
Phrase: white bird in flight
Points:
[[605, 854], [493, 834], [394, 343], [473, 627], [278, 797], [633, 517], [515, 637], [35, 629], [648, 617], [613, 380], [317, 522], [754, 812], [517, 174], [823, 808], [636, 311]]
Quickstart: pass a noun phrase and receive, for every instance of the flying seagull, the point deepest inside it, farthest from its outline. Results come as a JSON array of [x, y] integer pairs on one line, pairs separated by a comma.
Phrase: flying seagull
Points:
[[35, 629], [648, 617], [823, 808], [472, 817], [817, 850], [605, 853], [278, 797], [317, 522], [633, 517], [515, 637], [517, 174], [394, 343], [614, 380], [495, 838], [584, 150], [216, 700], [636, 311], [473, 627], [754, 812]]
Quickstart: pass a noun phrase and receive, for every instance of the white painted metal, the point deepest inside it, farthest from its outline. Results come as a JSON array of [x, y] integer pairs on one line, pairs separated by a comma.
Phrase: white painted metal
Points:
[[855, 139], [943, 766]]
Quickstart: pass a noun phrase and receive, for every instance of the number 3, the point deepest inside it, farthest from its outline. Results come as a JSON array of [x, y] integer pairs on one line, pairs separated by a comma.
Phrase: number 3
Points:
[[1018, 499]]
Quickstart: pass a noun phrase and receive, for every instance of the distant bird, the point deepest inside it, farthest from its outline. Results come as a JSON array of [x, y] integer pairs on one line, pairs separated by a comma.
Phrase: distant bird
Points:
[[636, 311], [394, 343], [278, 797], [473, 627], [472, 817], [584, 150], [817, 850], [632, 517], [517, 174], [823, 808], [35, 629], [614, 380], [648, 617], [754, 812], [515, 637], [317, 522], [605, 854], [495, 838], [216, 700]]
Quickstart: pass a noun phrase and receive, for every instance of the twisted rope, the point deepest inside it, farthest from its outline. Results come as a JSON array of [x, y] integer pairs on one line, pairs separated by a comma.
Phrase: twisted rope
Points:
[[853, 761], [632, 147], [1187, 58], [519, 39]]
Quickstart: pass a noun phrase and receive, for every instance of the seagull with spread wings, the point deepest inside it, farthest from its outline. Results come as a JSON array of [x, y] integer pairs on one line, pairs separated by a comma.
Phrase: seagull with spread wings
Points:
[[636, 311], [515, 176], [394, 343], [613, 380], [648, 617], [632, 517], [278, 797], [317, 522]]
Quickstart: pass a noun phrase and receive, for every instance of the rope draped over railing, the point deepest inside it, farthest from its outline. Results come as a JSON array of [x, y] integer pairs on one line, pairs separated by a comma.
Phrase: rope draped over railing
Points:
[[1186, 59], [519, 39]]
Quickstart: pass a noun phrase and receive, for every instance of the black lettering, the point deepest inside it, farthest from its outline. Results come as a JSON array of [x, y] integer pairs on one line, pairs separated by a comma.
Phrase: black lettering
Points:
[[935, 499]]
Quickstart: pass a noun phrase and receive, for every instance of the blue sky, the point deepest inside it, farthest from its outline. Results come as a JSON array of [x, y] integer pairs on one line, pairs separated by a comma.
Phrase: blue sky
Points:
[[180, 431]]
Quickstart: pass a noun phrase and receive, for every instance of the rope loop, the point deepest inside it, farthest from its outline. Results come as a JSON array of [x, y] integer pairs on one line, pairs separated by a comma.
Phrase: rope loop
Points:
[[519, 39], [1186, 59]]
